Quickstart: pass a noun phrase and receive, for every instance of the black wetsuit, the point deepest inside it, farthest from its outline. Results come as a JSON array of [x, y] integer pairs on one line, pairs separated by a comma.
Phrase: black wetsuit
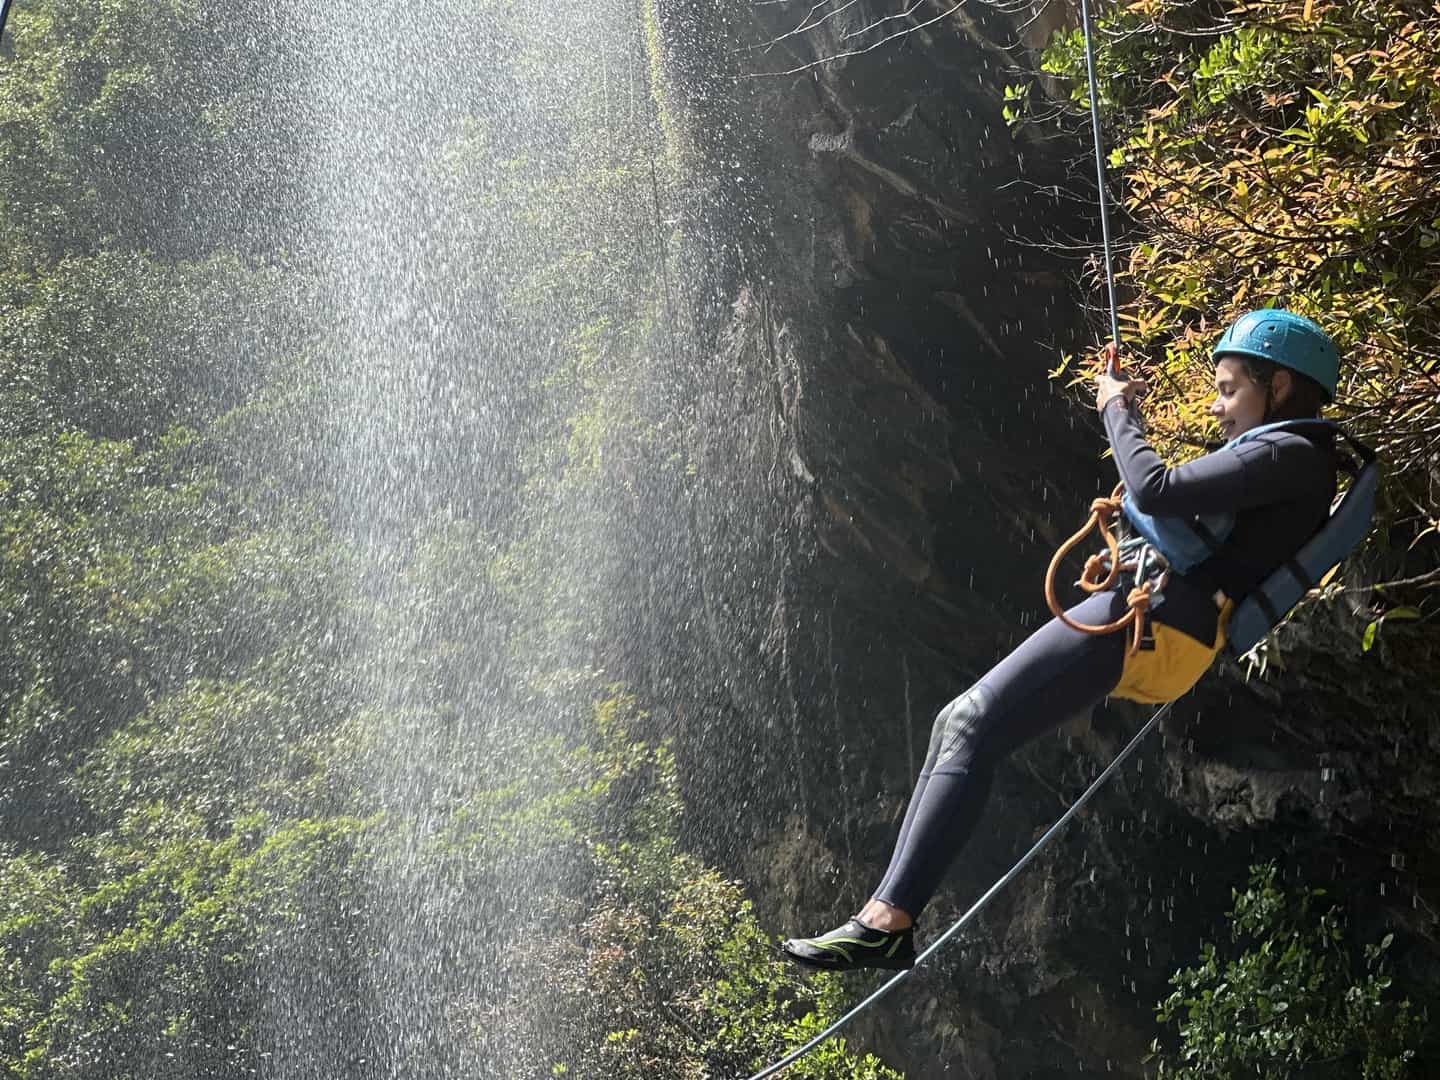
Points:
[[1279, 486]]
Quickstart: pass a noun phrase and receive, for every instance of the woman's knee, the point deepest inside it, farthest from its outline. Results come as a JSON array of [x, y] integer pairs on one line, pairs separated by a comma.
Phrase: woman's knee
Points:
[[960, 727]]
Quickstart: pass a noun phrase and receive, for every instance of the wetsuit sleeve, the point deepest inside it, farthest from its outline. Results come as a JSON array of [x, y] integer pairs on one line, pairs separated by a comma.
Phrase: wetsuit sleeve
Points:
[[1268, 469]]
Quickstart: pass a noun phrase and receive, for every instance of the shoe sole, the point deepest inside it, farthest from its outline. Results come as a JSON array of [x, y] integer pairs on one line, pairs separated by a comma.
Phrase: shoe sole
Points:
[[884, 964]]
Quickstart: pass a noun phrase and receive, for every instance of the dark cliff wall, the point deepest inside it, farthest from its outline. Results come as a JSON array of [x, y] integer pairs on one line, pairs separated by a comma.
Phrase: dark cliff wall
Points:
[[882, 472]]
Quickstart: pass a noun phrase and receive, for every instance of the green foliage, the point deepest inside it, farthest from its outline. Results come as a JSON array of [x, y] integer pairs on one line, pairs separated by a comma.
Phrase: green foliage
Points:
[[127, 347], [121, 570], [218, 751], [122, 123], [1398, 614], [1288, 999], [143, 960], [136, 321], [153, 948]]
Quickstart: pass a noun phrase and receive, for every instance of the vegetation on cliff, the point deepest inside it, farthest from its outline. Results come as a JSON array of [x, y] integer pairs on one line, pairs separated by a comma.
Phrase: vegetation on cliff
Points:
[[1289, 996]]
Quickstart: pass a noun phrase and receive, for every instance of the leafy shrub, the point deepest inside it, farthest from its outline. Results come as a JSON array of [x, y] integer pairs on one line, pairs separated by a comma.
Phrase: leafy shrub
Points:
[[1289, 999]]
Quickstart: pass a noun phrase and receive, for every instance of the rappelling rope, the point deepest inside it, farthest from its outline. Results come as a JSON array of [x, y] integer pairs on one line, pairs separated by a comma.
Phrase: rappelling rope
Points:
[[978, 906], [1102, 511], [1100, 170]]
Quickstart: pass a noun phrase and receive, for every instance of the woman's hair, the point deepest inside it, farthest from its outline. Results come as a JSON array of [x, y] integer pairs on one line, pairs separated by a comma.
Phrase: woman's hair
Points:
[[1306, 398]]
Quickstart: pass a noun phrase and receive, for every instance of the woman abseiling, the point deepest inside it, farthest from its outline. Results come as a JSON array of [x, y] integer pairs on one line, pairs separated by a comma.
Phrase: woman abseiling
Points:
[[1278, 485]]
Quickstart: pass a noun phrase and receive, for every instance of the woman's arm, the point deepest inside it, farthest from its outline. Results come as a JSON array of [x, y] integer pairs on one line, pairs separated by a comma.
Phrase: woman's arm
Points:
[[1277, 467]]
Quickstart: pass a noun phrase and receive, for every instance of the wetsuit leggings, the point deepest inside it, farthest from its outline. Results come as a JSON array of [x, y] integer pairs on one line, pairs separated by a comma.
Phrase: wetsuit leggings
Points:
[[1054, 674]]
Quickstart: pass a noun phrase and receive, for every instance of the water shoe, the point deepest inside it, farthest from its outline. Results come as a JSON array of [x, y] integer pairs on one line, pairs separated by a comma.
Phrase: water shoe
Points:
[[855, 945]]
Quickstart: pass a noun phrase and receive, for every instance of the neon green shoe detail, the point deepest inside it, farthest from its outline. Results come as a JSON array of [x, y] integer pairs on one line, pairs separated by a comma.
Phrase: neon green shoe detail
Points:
[[854, 945]]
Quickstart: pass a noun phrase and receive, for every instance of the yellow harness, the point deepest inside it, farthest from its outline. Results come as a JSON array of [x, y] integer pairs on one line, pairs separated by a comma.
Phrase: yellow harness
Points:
[[1168, 663]]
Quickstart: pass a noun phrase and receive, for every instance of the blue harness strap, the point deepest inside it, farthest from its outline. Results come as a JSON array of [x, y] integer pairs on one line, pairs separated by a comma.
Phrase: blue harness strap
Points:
[[1268, 603]]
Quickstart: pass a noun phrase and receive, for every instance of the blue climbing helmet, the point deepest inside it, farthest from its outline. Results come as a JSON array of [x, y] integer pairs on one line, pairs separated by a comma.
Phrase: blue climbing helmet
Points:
[[1287, 339]]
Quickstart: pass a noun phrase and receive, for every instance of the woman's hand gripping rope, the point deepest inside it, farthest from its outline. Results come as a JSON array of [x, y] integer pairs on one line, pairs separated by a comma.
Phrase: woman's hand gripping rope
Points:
[[1110, 382]]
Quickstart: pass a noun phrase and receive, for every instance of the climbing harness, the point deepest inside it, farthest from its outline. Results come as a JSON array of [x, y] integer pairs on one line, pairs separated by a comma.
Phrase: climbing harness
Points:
[[1161, 662], [1180, 544], [976, 907], [1163, 543]]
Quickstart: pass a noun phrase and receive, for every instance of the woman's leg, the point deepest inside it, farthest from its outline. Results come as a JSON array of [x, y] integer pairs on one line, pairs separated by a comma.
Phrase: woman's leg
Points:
[[1054, 674], [1051, 676]]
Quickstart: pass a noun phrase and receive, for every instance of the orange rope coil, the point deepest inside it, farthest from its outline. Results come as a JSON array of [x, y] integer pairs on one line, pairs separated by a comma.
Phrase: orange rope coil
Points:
[[1102, 512]]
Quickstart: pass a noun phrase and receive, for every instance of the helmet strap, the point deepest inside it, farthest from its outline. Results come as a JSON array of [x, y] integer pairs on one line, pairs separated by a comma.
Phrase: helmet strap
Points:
[[1269, 384]]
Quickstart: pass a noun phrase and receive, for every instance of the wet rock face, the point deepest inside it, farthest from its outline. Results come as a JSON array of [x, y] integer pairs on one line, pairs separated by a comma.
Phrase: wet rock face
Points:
[[901, 313], [882, 472]]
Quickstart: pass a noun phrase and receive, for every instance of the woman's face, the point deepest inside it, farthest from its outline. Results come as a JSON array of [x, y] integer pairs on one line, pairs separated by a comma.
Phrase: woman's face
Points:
[[1239, 403]]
